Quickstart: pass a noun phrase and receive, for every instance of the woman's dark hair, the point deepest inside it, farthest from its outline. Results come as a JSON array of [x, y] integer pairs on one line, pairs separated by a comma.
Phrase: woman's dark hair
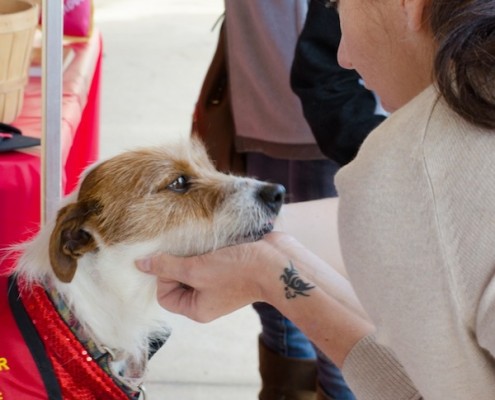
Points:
[[465, 61]]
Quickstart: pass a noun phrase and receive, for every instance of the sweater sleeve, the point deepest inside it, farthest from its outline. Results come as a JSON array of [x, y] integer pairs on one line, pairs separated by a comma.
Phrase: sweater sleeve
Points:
[[338, 108], [485, 319], [373, 372]]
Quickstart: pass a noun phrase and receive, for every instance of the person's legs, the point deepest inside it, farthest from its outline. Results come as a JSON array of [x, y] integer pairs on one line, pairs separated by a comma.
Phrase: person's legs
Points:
[[303, 180], [287, 360], [331, 383], [278, 333], [311, 180], [281, 335]]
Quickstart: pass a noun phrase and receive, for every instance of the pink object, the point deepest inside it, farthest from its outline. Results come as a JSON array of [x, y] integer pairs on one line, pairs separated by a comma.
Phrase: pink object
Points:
[[78, 16]]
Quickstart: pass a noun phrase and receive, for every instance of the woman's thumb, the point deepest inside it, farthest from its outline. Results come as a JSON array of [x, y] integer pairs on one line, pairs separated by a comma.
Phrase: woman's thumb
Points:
[[144, 265]]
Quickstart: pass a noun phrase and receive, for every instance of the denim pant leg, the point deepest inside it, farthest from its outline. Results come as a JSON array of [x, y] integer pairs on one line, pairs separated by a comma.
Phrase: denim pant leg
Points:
[[331, 380], [303, 180], [281, 335]]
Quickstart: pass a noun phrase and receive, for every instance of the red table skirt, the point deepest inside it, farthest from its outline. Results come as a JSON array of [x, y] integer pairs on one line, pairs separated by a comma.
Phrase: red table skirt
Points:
[[20, 171]]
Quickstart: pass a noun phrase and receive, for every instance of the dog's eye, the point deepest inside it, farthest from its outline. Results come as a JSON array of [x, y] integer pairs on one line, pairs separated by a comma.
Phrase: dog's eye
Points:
[[180, 185]]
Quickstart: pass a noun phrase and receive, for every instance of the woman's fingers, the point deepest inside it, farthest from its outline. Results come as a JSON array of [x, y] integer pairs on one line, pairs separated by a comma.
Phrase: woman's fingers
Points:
[[161, 265], [202, 287]]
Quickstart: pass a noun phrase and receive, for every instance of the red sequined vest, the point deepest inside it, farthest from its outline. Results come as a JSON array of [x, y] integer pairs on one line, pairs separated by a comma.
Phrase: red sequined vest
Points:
[[40, 357]]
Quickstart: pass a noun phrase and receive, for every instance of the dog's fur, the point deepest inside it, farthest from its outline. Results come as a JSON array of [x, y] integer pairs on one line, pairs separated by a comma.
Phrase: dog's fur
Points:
[[168, 199]]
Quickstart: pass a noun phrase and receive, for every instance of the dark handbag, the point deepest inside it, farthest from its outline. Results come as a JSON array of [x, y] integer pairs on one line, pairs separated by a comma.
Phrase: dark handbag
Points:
[[11, 138], [212, 118]]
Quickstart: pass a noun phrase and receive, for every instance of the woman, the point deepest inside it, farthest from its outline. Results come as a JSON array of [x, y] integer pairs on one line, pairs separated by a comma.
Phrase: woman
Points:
[[415, 218]]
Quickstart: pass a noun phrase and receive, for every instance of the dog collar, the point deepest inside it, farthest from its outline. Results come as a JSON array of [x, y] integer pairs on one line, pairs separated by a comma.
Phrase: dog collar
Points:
[[102, 354], [82, 368]]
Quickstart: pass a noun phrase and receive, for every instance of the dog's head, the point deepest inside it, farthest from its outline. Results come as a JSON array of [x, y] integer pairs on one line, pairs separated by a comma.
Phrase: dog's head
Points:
[[171, 196]]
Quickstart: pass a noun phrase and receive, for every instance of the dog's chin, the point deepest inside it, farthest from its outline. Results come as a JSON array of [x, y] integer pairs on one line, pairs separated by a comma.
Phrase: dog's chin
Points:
[[254, 236]]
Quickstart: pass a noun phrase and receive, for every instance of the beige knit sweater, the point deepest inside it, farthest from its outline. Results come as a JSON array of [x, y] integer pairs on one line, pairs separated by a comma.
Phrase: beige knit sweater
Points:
[[417, 228]]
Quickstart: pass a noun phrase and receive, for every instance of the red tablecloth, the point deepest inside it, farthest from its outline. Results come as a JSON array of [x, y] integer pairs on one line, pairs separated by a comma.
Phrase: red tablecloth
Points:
[[20, 170]]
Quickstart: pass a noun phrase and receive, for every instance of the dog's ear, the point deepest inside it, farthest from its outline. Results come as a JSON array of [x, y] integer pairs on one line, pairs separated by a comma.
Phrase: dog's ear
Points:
[[69, 240]]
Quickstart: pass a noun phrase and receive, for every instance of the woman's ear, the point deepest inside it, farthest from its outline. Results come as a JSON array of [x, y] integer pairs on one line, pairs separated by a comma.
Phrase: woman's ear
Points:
[[415, 11]]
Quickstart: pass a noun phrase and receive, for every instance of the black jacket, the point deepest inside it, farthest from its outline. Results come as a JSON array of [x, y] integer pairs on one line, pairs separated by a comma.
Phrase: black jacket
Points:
[[338, 108]]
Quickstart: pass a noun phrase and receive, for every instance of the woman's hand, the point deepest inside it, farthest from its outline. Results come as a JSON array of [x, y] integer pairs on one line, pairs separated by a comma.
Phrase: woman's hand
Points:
[[277, 270], [209, 286]]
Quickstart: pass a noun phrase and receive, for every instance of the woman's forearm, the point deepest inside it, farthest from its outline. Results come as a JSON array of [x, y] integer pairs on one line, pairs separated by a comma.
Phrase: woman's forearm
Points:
[[278, 270], [327, 278], [332, 319]]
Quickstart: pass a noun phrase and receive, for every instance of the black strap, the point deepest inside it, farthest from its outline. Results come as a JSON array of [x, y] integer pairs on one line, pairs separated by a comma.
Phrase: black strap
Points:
[[33, 342]]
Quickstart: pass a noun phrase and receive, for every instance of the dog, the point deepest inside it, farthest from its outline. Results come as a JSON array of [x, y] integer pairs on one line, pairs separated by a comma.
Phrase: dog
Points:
[[162, 199]]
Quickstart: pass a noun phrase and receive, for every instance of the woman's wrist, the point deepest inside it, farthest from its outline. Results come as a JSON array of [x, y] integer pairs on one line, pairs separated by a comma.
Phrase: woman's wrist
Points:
[[312, 298]]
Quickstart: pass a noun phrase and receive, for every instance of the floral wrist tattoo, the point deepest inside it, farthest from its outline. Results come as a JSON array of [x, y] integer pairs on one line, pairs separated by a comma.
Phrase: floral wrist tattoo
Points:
[[294, 285]]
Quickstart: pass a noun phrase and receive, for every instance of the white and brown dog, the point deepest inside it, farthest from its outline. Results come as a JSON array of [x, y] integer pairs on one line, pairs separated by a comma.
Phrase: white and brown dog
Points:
[[77, 282]]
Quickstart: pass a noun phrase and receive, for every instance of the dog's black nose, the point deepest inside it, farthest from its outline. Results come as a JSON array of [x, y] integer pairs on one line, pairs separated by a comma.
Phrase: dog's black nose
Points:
[[272, 195]]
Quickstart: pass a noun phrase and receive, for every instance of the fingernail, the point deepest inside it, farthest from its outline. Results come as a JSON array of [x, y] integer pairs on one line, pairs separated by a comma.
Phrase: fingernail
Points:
[[144, 264]]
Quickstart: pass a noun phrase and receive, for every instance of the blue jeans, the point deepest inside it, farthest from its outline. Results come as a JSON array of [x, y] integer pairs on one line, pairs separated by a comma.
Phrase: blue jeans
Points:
[[303, 180]]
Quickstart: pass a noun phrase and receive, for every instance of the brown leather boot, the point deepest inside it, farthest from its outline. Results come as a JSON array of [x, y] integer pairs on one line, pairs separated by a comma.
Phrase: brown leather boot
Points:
[[285, 378]]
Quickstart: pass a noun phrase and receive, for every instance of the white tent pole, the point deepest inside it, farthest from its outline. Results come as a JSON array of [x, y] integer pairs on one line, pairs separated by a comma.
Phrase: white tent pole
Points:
[[51, 165]]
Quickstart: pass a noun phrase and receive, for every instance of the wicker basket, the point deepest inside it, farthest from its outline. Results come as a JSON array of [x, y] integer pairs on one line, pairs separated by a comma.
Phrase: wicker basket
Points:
[[18, 21]]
